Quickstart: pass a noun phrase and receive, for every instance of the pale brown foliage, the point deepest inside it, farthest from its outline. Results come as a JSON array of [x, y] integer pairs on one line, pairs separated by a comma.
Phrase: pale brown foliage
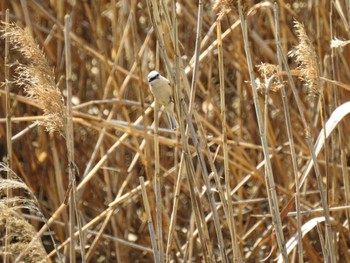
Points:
[[37, 77], [223, 7]]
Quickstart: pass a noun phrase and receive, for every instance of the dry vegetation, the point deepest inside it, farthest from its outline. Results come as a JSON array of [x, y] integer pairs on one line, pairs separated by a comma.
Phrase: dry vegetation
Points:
[[258, 169]]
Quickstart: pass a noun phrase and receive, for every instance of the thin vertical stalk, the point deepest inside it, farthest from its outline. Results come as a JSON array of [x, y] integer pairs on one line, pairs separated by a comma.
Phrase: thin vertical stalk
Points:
[[102, 133], [313, 157], [206, 181], [95, 243], [230, 217], [337, 102], [192, 96], [8, 101], [291, 141], [70, 139], [323, 245], [200, 156], [191, 239], [198, 210], [343, 155], [8, 128], [202, 228], [175, 78], [26, 16], [172, 223], [270, 182], [149, 220], [157, 187], [73, 213], [196, 55], [192, 182], [345, 175]]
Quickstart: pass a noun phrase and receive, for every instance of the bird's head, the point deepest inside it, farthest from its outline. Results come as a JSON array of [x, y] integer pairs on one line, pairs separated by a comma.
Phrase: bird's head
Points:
[[153, 76]]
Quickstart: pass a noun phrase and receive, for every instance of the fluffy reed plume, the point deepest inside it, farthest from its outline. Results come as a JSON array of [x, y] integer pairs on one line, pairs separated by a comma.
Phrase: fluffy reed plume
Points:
[[21, 232], [306, 57], [37, 77], [270, 81], [337, 43], [223, 7]]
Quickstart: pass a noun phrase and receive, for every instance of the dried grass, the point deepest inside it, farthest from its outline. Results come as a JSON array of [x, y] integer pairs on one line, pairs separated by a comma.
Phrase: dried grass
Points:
[[238, 142], [36, 77], [223, 7], [308, 63], [20, 233]]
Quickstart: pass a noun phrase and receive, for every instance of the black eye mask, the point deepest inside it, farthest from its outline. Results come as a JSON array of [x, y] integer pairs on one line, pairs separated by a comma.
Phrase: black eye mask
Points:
[[153, 78]]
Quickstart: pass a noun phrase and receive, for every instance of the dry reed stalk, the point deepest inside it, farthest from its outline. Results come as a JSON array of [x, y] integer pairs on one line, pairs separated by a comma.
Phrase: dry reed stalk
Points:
[[112, 206], [106, 40], [101, 136], [172, 222], [329, 237], [20, 98], [93, 247], [196, 143], [196, 55], [193, 183], [86, 179], [336, 45], [196, 116], [201, 159], [8, 132], [345, 174], [26, 17], [156, 178], [124, 84], [73, 205], [230, 216], [149, 221], [58, 175], [276, 219], [157, 187], [208, 188], [291, 142], [203, 232], [192, 96], [110, 237], [110, 151]]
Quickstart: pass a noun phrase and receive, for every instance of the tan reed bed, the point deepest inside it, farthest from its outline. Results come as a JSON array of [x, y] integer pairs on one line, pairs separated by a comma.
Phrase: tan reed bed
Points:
[[257, 171]]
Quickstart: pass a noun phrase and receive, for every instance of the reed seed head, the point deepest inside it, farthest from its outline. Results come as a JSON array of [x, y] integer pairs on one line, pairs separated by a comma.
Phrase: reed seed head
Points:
[[305, 55], [37, 77]]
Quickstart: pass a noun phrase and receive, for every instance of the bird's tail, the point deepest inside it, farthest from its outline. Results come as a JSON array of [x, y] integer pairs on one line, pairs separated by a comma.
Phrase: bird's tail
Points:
[[169, 109], [172, 121]]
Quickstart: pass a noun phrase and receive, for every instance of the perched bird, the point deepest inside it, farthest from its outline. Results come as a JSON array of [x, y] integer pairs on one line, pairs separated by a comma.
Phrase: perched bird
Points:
[[162, 92]]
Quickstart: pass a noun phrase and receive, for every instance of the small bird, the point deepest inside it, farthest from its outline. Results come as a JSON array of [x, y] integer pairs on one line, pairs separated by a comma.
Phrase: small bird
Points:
[[162, 92]]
